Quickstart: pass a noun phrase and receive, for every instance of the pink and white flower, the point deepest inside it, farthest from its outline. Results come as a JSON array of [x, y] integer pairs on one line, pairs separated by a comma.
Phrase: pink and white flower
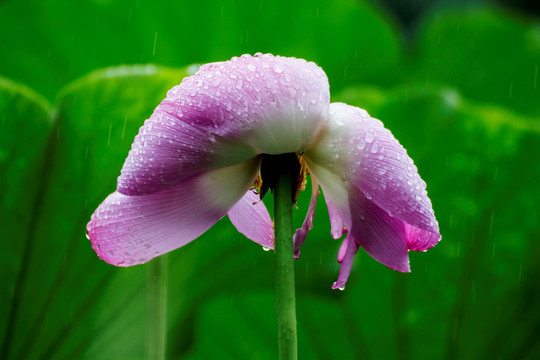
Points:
[[198, 158]]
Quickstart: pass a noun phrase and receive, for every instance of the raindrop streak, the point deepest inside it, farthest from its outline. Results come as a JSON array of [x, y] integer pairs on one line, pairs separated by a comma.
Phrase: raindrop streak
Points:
[[491, 223], [124, 128], [155, 42], [535, 76], [109, 139]]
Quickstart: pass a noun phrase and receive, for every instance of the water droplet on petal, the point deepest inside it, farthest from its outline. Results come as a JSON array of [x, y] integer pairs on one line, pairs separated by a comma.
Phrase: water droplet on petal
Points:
[[266, 248], [369, 137], [251, 67], [278, 69]]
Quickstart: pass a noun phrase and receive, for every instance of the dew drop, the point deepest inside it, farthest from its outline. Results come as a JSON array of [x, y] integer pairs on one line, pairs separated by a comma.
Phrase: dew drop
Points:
[[361, 144], [369, 137], [266, 248], [278, 69], [251, 67]]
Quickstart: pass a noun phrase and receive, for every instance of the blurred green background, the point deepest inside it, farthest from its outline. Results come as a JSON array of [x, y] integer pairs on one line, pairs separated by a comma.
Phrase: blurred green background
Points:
[[457, 83]]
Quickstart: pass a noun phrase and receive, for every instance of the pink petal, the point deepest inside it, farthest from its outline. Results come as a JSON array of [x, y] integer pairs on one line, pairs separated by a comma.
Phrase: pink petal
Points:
[[337, 229], [348, 249], [225, 114], [362, 153], [373, 186], [251, 218], [381, 236], [275, 104], [130, 230], [300, 234], [420, 240], [168, 150]]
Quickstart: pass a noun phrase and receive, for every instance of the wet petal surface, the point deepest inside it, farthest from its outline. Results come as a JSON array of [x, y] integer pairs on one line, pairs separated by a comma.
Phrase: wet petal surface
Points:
[[167, 151], [366, 156], [225, 114], [275, 104], [130, 230], [372, 190]]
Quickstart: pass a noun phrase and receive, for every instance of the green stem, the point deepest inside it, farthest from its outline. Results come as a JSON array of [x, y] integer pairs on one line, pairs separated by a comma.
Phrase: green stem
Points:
[[157, 308], [285, 295]]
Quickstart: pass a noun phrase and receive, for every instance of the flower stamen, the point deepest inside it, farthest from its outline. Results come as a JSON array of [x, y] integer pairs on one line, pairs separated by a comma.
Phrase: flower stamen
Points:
[[269, 168]]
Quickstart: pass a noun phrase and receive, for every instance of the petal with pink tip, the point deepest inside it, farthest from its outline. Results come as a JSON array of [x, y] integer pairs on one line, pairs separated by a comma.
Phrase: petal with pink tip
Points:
[[130, 230], [362, 153], [300, 234], [250, 217]]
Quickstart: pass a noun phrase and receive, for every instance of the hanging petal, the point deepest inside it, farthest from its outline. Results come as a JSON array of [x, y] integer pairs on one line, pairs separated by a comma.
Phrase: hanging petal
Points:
[[381, 236], [251, 218], [348, 249], [365, 155], [337, 229], [300, 234], [129, 230]]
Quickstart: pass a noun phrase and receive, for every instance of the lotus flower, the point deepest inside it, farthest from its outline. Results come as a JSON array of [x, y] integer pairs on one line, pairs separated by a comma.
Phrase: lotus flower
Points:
[[199, 157]]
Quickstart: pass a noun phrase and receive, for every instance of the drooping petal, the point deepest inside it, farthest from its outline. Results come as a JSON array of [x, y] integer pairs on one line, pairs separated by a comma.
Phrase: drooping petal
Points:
[[300, 234], [337, 229], [348, 249], [381, 236], [130, 230], [223, 115], [373, 186], [362, 153], [251, 218]]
